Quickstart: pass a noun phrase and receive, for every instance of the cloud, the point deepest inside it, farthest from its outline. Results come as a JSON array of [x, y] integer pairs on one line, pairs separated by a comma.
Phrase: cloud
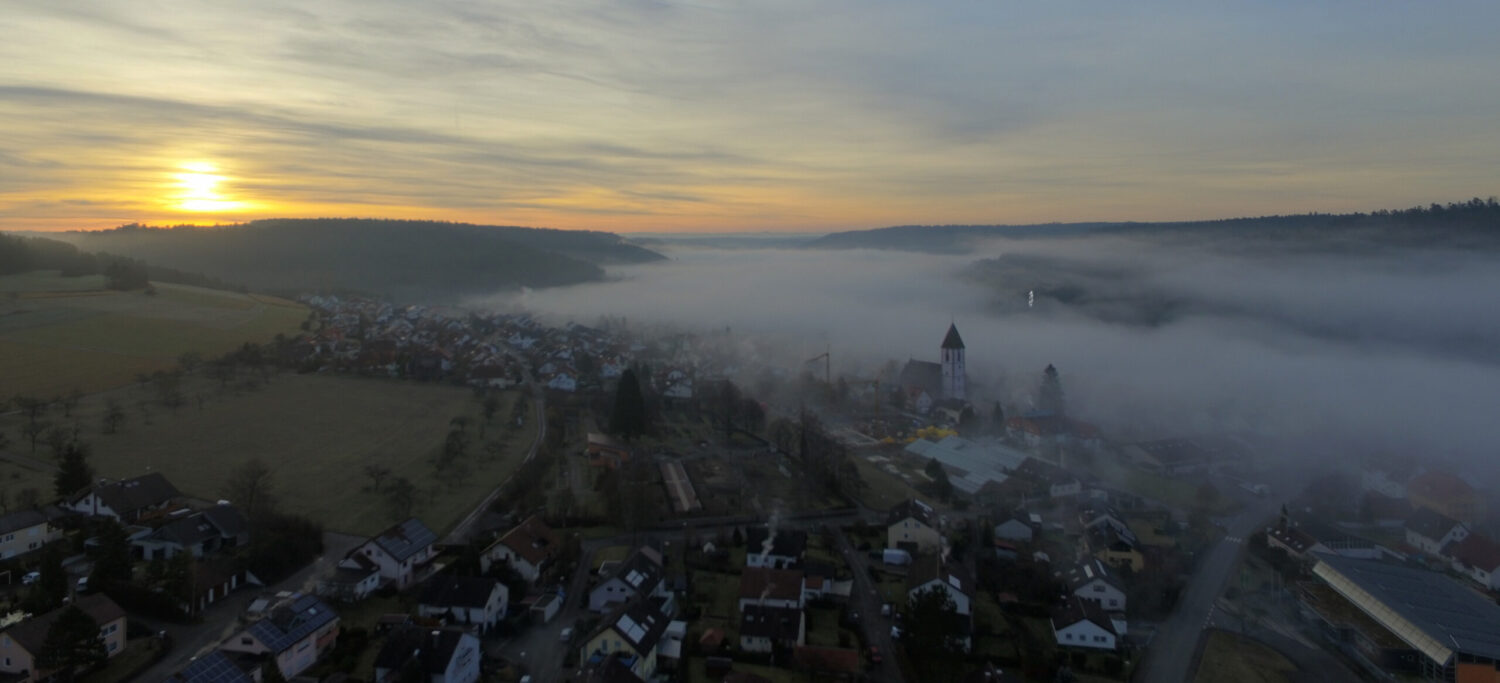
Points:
[[1370, 350]]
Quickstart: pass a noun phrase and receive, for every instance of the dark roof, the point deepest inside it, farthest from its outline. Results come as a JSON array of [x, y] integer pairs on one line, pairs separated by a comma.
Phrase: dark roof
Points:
[[214, 667], [924, 375], [641, 571], [1076, 609], [612, 670], [32, 633], [916, 509], [776, 623], [787, 543], [1292, 537], [292, 621], [1445, 611], [1087, 572], [432, 648], [927, 568], [1430, 523], [132, 495], [532, 540], [405, 539], [1475, 550], [21, 519], [186, 531], [952, 340], [227, 519], [776, 584], [458, 591], [640, 623]]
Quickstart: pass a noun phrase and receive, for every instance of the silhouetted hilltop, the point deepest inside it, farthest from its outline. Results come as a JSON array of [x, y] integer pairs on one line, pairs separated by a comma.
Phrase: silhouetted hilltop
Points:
[[401, 259], [1475, 223]]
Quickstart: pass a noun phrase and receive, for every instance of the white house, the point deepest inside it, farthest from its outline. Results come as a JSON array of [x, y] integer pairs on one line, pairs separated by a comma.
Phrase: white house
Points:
[[125, 500], [1428, 531], [929, 574], [26, 530], [294, 634], [528, 548], [771, 588], [399, 551], [1093, 580], [639, 575], [353, 579], [780, 551], [474, 600], [1081, 623], [762, 628], [913, 524], [444, 655], [563, 381]]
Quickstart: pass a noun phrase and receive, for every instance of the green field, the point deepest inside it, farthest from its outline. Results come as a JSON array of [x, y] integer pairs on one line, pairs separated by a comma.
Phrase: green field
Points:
[[1231, 659], [59, 334], [316, 433]]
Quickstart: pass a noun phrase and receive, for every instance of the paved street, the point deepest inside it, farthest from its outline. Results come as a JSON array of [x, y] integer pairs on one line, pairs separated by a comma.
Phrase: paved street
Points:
[[866, 601]]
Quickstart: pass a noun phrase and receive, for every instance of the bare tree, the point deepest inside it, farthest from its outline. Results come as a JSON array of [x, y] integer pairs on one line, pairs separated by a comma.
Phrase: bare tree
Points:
[[250, 486]]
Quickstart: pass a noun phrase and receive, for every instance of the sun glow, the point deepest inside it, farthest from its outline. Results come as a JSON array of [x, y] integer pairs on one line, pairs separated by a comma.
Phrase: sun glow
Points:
[[198, 189]]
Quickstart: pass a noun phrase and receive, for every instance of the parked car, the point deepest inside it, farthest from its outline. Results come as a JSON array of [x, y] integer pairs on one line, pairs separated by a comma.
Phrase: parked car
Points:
[[567, 635], [885, 609], [31, 577], [875, 654]]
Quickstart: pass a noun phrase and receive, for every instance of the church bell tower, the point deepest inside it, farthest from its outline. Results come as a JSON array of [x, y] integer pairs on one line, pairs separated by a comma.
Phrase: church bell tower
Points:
[[954, 378]]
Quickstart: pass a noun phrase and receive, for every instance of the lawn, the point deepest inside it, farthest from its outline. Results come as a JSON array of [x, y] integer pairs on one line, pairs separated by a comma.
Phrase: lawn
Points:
[[613, 553], [52, 342], [720, 594], [316, 433], [1231, 659], [882, 490]]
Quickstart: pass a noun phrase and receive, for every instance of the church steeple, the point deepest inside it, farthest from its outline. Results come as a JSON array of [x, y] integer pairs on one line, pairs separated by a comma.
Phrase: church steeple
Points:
[[954, 376]]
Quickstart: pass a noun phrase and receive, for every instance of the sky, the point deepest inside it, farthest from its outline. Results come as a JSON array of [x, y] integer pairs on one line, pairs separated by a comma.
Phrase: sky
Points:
[[642, 116]]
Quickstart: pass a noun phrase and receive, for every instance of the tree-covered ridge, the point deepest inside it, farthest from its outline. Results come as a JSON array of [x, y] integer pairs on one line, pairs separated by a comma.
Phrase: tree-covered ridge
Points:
[[25, 254], [1472, 223], [396, 258]]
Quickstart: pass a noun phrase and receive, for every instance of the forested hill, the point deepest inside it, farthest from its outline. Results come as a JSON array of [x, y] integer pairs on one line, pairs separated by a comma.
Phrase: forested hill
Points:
[[1472, 224], [399, 259]]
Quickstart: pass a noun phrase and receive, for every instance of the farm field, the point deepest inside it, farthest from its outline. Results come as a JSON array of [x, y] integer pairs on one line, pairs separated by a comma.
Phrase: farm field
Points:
[[316, 433], [60, 334]]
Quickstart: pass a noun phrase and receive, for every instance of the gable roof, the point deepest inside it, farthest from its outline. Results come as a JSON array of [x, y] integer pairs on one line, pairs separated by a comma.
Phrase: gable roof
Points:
[[227, 519], [915, 509], [1475, 551], [432, 648], [1076, 610], [22, 519], [928, 568], [291, 621], [532, 539], [1430, 523], [787, 542], [405, 539], [639, 623], [641, 571], [1439, 485], [459, 591], [776, 623], [132, 495], [923, 375], [32, 633], [1292, 537], [213, 667], [775, 584], [220, 521], [1087, 572], [952, 340]]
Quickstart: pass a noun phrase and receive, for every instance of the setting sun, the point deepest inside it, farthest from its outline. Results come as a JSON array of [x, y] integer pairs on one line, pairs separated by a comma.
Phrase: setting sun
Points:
[[198, 191]]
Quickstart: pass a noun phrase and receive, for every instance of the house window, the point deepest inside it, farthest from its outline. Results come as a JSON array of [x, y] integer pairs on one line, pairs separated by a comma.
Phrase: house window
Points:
[[113, 646], [1068, 636]]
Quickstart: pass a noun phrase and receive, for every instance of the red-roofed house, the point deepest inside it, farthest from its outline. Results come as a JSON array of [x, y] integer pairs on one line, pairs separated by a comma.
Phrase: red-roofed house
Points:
[[1447, 494], [1478, 558], [528, 548]]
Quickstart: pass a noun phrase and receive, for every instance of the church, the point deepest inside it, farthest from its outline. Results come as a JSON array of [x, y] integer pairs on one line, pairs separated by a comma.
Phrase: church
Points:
[[929, 384]]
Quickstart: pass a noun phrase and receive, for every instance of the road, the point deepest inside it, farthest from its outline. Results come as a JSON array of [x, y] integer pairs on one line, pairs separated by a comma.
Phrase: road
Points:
[[866, 601], [1170, 657], [460, 533], [221, 620]]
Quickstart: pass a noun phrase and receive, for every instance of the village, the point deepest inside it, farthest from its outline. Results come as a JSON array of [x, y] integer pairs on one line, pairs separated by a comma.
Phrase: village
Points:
[[870, 535]]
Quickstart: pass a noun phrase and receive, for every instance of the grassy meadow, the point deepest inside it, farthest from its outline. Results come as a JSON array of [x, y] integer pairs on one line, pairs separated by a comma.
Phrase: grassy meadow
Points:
[[59, 334]]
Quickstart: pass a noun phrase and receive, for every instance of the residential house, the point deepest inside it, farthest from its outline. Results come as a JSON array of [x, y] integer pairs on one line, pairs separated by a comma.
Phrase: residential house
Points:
[[474, 600], [441, 655], [640, 575], [612, 669], [1014, 530], [914, 526], [1429, 530], [529, 548], [930, 574], [125, 500], [213, 580], [294, 634], [565, 379], [818, 580], [1082, 623], [1054, 480], [782, 550], [1118, 549], [22, 643], [200, 533], [215, 666], [353, 579], [23, 531], [633, 632], [606, 451], [771, 588], [1477, 557], [1295, 542], [1447, 494], [1093, 580], [399, 551], [762, 629]]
